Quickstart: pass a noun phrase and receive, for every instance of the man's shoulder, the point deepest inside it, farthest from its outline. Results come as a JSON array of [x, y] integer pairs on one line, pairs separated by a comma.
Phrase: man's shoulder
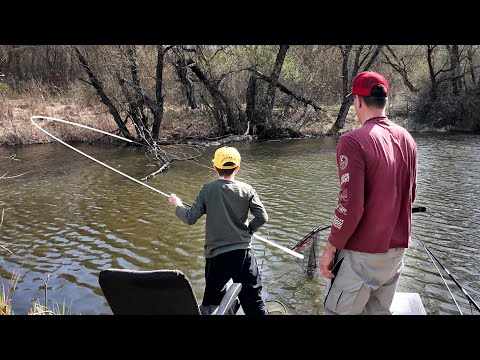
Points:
[[352, 136], [402, 130]]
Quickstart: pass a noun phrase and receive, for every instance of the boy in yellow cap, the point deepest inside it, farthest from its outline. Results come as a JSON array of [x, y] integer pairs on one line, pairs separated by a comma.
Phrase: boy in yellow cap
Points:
[[228, 242]]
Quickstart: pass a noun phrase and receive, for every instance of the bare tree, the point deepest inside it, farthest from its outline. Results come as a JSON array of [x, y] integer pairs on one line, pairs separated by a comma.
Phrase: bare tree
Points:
[[272, 86], [455, 77], [401, 64], [181, 68], [471, 50], [436, 76], [99, 87], [364, 56], [136, 98]]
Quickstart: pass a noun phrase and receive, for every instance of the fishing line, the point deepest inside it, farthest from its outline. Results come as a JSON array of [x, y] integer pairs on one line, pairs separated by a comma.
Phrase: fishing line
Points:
[[472, 302], [451, 276], [79, 125], [92, 158], [428, 252], [197, 163], [128, 176]]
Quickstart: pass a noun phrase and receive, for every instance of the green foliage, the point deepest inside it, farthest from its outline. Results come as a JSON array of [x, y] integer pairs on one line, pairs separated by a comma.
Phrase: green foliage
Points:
[[62, 310], [5, 89]]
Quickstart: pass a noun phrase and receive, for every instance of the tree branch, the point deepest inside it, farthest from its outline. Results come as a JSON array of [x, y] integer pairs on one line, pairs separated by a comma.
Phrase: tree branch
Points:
[[285, 90]]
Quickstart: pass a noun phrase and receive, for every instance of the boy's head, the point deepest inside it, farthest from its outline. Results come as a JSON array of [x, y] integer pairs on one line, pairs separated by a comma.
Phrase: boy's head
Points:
[[226, 159]]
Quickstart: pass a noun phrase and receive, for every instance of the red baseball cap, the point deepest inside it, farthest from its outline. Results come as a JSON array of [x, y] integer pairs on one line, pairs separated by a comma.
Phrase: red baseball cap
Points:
[[365, 81]]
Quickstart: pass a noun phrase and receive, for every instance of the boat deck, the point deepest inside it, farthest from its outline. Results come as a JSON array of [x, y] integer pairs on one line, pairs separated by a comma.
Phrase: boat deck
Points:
[[403, 304], [407, 304]]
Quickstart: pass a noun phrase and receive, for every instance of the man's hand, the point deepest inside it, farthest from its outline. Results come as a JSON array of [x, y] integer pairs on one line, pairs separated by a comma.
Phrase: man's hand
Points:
[[326, 261], [175, 200]]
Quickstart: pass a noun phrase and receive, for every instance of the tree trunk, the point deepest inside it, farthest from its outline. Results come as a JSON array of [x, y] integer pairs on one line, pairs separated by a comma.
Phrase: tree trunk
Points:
[[362, 62], [455, 69], [270, 95], [158, 109], [341, 117], [431, 71], [250, 100], [139, 105], [471, 65], [220, 101], [97, 84], [181, 70]]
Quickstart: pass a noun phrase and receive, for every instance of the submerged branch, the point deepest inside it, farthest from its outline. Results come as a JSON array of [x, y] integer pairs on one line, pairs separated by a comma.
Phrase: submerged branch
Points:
[[164, 167]]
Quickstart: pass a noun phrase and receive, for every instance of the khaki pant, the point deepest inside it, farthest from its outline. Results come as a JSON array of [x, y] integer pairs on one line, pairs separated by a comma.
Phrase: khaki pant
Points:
[[364, 283]]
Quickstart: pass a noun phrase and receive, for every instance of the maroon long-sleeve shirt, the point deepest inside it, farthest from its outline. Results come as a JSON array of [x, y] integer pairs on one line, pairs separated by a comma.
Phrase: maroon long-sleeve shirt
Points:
[[377, 168]]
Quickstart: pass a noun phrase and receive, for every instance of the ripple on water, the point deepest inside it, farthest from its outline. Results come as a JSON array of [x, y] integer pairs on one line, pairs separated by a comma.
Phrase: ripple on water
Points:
[[70, 218]]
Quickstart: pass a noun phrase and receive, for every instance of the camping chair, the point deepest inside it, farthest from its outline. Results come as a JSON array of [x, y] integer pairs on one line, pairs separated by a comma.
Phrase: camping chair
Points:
[[159, 292]]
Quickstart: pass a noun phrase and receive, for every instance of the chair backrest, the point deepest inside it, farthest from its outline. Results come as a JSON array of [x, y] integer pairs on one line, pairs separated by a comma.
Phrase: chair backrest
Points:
[[158, 292]]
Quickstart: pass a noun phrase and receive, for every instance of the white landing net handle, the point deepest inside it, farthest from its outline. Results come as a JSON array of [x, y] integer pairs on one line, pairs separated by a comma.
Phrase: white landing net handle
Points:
[[287, 250]]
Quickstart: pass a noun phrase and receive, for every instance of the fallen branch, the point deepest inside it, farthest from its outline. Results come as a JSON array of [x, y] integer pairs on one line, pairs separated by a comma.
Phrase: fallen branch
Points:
[[164, 167], [3, 177]]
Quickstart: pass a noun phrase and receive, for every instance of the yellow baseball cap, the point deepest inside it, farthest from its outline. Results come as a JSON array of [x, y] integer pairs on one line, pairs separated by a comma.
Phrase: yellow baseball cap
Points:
[[226, 154]]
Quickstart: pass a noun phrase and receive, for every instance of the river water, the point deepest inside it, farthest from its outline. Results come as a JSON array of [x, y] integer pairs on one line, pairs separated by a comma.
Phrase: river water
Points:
[[68, 218]]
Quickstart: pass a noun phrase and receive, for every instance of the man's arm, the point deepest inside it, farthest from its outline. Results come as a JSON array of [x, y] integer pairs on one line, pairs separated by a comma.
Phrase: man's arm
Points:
[[350, 206]]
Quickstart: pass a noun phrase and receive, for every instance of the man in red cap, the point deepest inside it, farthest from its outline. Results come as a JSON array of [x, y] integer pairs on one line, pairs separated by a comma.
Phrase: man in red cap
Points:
[[371, 228]]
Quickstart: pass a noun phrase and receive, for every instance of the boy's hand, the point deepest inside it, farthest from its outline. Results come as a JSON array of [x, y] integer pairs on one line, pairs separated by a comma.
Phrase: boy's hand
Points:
[[175, 200]]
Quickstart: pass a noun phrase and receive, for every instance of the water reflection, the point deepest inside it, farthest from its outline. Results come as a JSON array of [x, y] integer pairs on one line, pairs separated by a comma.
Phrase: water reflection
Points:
[[70, 217]]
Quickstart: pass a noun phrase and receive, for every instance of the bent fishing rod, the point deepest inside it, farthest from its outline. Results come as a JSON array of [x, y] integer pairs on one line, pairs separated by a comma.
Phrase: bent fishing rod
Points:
[[128, 176], [448, 272], [451, 277], [309, 236]]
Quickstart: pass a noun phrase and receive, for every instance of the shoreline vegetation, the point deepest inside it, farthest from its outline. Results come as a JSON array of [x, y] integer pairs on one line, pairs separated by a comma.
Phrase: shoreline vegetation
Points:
[[171, 94], [181, 125]]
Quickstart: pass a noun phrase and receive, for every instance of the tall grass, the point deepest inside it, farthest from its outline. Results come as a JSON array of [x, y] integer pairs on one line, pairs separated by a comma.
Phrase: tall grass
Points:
[[37, 308], [73, 104], [6, 296]]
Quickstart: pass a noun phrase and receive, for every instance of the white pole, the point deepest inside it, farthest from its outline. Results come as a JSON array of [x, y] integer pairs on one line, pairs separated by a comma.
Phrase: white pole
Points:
[[287, 250], [128, 176]]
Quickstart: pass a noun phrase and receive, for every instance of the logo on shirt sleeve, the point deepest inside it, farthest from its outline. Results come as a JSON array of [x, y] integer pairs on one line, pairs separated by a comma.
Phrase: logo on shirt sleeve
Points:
[[345, 178], [337, 222], [341, 209], [343, 162]]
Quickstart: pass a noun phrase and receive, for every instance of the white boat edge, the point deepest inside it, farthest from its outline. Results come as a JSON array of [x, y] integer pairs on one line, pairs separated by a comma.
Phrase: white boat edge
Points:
[[407, 304], [403, 303]]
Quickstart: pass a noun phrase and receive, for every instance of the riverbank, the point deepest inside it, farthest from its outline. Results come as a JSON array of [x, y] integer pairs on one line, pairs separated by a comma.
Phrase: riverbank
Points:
[[179, 124], [16, 128]]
